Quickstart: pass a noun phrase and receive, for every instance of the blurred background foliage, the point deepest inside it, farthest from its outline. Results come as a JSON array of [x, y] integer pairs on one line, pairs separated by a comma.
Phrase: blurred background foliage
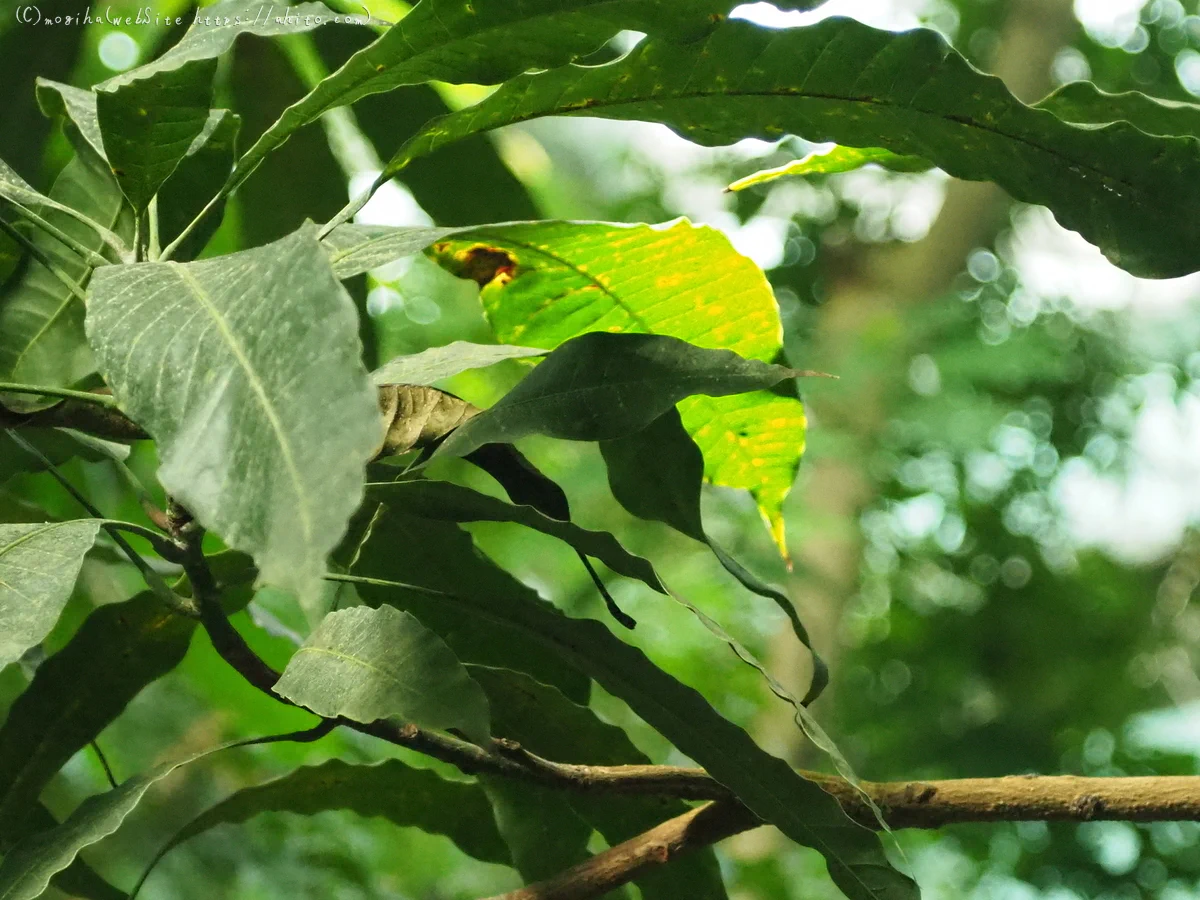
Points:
[[994, 530]]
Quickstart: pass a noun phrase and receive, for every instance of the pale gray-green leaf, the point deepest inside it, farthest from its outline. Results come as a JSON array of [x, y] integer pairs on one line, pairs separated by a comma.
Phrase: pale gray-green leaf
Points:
[[368, 664], [354, 249], [246, 370], [38, 567], [431, 366]]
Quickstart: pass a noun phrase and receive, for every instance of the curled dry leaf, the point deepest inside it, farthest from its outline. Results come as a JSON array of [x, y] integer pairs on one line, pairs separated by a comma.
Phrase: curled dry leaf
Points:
[[415, 417]]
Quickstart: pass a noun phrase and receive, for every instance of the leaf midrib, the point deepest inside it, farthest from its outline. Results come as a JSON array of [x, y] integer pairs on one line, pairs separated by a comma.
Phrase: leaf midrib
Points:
[[256, 385]]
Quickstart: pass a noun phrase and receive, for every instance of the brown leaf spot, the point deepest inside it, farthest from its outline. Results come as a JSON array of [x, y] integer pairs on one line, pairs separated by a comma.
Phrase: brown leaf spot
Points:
[[484, 264]]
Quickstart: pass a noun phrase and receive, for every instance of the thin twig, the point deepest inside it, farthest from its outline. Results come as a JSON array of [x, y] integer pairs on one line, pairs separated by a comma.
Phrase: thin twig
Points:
[[90, 256], [108, 772]]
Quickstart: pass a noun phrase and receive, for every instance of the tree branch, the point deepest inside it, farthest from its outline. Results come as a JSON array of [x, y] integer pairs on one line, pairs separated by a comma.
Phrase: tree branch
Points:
[[625, 862]]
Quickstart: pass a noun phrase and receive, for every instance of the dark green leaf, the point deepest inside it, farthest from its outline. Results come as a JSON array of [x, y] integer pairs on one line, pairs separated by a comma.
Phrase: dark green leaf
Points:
[[601, 386], [766, 784], [842, 81], [195, 181], [545, 722], [78, 879], [38, 567], [397, 546], [543, 833], [481, 42], [27, 870], [148, 125], [1083, 102], [656, 474], [454, 503], [248, 375], [78, 691], [431, 366], [368, 664], [392, 790]]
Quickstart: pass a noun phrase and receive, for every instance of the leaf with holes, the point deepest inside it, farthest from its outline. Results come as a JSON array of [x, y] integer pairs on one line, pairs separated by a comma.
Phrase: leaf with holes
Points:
[[38, 567], [367, 664], [246, 371], [908, 92]]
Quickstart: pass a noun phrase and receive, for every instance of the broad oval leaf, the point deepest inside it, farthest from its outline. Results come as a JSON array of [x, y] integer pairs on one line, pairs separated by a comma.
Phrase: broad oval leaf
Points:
[[390, 789], [246, 371], [148, 125], [834, 161], [600, 386], [38, 567], [765, 783], [368, 664], [456, 567], [842, 81]]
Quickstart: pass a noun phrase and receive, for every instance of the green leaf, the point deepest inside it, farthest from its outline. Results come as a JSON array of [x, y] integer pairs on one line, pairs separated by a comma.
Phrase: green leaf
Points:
[[246, 371], [447, 502], [1083, 102], [27, 870], [408, 797], [545, 722], [766, 784], [368, 664], [148, 125], [38, 567], [543, 283], [431, 366], [908, 92], [16, 190], [77, 692], [481, 42], [41, 321], [834, 161], [656, 474], [215, 28], [59, 445], [355, 249], [398, 545], [199, 174], [600, 386], [75, 106], [78, 879], [543, 833]]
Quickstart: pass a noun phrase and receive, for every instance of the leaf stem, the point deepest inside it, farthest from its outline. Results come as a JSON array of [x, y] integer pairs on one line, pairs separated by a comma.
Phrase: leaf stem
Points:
[[89, 255], [40, 255], [45, 390], [169, 250]]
